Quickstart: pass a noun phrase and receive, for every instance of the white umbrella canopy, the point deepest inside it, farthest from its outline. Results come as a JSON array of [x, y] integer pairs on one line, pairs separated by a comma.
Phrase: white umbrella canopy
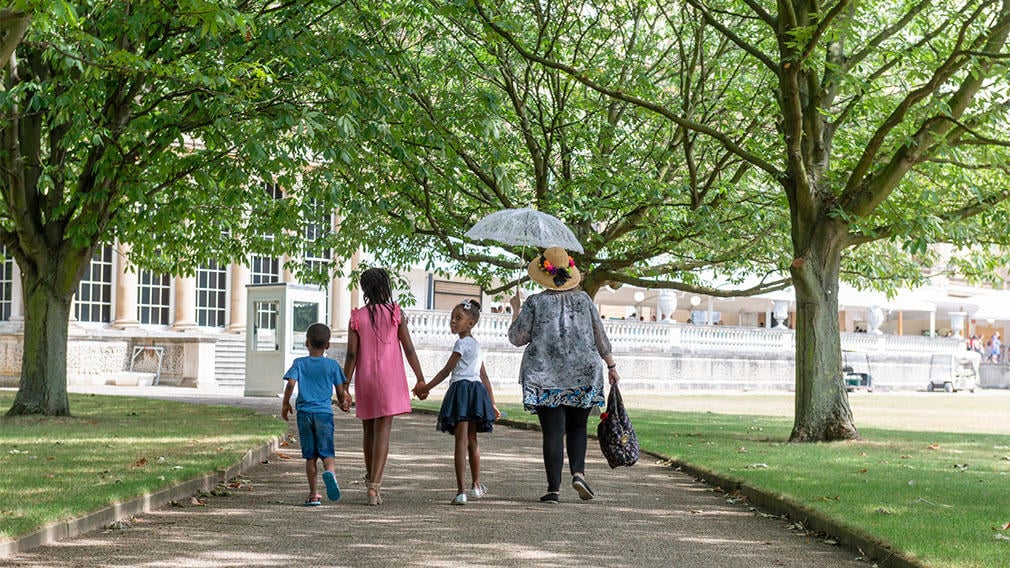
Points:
[[525, 227]]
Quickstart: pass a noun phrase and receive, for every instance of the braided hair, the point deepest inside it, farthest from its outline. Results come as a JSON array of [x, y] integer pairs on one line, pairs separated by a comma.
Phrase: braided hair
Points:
[[377, 291]]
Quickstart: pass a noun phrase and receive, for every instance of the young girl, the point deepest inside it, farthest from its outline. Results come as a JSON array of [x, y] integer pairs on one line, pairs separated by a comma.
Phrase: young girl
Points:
[[468, 406], [375, 335]]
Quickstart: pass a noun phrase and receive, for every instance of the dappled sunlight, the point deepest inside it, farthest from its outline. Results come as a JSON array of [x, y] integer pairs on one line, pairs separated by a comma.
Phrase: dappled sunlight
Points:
[[215, 559], [658, 517]]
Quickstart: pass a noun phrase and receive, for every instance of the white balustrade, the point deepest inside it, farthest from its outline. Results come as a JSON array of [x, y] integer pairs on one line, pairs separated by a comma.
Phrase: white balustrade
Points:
[[431, 327], [723, 338]]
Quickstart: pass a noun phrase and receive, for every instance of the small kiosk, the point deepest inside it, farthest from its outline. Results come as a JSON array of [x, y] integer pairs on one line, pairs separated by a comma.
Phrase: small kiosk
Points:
[[278, 316]]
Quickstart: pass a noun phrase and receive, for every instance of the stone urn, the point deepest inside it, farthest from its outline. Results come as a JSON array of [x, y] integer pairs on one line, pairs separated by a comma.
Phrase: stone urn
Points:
[[781, 312], [874, 319], [666, 304]]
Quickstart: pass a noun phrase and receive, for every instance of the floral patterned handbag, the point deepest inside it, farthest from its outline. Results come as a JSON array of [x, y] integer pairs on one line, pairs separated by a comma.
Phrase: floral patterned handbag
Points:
[[618, 440]]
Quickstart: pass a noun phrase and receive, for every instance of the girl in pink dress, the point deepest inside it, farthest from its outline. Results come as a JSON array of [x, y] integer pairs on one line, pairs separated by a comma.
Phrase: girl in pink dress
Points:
[[375, 335]]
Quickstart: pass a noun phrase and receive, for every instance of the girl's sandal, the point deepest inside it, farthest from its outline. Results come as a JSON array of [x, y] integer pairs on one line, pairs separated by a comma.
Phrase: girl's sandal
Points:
[[374, 498], [313, 500]]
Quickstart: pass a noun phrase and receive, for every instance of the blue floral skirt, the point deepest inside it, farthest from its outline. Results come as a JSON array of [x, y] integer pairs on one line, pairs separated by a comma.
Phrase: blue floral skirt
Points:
[[579, 397], [466, 401]]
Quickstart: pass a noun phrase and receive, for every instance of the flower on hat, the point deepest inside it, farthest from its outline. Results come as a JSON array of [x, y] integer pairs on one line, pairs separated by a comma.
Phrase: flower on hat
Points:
[[549, 268]]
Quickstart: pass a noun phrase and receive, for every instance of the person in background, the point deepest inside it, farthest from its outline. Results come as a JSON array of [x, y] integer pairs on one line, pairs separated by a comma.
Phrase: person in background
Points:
[[995, 345]]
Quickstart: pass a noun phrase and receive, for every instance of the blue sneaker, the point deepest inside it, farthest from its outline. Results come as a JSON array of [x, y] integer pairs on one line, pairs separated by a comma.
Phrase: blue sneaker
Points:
[[332, 489]]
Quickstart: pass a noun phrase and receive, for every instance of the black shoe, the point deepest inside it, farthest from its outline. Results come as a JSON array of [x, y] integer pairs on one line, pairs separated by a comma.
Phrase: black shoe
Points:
[[585, 492], [550, 498]]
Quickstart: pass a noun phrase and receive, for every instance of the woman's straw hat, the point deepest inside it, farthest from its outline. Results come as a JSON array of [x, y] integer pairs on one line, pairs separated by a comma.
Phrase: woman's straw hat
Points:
[[554, 269]]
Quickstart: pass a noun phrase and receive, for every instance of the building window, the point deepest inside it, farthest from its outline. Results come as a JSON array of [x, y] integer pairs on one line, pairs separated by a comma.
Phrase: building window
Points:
[[6, 282], [448, 294], [94, 293], [319, 259], [264, 270], [154, 295], [211, 295], [273, 190]]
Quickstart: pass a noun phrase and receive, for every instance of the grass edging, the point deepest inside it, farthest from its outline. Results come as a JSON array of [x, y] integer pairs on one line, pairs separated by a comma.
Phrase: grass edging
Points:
[[145, 503], [881, 553]]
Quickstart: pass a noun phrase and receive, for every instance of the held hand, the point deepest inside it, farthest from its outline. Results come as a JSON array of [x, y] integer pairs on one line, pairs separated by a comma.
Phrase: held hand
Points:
[[345, 404], [285, 411], [420, 390]]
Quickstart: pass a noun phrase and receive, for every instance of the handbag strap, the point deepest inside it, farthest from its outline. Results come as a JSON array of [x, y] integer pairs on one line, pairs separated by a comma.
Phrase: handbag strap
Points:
[[615, 403]]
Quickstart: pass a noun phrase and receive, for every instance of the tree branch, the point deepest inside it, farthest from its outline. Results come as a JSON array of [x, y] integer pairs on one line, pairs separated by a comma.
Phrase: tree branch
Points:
[[620, 95], [736, 39]]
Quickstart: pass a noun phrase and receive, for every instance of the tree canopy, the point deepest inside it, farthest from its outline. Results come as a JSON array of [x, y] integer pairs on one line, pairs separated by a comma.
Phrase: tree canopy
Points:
[[684, 141], [882, 127], [827, 140], [474, 127], [158, 125]]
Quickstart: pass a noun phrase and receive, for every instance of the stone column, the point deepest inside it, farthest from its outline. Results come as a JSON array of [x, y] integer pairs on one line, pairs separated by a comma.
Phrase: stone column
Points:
[[286, 275], [17, 295], [341, 298], [957, 323], [238, 295], [185, 303], [127, 281]]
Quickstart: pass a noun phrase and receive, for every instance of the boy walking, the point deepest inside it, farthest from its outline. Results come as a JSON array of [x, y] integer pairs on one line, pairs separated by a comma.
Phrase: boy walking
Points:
[[316, 377]]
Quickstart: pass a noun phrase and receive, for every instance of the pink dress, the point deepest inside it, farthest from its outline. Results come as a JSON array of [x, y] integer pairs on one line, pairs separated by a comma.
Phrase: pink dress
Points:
[[380, 379]]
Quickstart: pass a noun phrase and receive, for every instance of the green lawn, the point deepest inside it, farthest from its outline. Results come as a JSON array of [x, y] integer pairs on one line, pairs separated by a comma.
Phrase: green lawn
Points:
[[940, 498], [111, 450]]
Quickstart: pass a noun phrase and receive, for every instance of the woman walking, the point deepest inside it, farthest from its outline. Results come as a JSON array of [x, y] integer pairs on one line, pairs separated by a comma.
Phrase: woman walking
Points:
[[563, 365]]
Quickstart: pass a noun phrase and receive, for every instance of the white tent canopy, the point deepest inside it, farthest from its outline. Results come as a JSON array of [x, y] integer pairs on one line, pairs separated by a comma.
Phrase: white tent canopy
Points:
[[993, 305]]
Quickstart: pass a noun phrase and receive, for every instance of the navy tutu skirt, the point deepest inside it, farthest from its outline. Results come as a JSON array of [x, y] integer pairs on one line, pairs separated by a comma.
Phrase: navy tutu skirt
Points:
[[466, 401]]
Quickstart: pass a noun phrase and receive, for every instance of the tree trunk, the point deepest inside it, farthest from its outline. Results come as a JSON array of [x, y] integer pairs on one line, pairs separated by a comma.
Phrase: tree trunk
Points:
[[822, 402], [44, 362]]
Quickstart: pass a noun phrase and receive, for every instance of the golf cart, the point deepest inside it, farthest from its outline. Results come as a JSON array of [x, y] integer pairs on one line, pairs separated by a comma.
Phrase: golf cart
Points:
[[953, 372], [856, 370]]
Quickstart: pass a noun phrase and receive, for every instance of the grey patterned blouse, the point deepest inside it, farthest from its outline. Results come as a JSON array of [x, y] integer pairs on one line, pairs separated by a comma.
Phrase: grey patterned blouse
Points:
[[565, 343]]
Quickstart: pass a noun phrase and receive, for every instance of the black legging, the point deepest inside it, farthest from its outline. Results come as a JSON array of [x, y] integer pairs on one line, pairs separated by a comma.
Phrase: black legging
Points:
[[557, 423]]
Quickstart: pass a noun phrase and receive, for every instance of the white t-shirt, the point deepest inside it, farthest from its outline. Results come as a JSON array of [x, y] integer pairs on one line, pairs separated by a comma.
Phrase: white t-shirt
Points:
[[468, 367]]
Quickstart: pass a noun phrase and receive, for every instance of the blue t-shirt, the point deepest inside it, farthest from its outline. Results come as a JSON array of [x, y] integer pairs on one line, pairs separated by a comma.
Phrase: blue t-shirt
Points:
[[316, 377]]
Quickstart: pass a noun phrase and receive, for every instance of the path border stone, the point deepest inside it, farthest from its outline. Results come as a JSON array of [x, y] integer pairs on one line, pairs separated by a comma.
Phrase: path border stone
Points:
[[882, 555], [76, 526]]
